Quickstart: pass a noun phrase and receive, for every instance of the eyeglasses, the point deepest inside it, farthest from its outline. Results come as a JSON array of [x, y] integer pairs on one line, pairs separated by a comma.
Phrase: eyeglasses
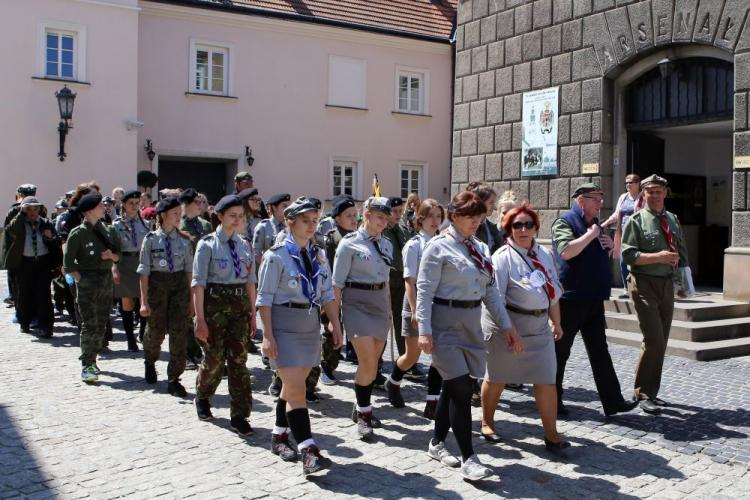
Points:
[[595, 199], [629, 182], [526, 225]]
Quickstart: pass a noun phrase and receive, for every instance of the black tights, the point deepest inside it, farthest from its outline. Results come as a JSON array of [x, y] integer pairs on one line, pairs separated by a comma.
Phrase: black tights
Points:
[[454, 412]]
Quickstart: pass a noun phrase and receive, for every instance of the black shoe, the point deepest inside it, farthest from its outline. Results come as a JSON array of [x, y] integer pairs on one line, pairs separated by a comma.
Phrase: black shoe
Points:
[[659, 402], [379, 382], [621, 407], [430, 407], [515, 387], [47, 334], [414, 374], [313, 461], [203, 408], [649, 406], [240, 426], [150, 373], [280, 446], [476, 400], [311, 397], [274, 390], [556, 448], [132, 344], [562, 410], [266, 362], [491, 437], [175, 388], [376, 423], [394, 394], [25, 329], [190, 364], [252, 348]]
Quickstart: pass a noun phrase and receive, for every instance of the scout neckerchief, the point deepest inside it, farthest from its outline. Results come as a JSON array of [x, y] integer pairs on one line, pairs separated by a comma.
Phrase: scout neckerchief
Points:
[[235, 257], [664, 222], [133, 234], [168, 248], [388, 261], [308, 276], [480, 261], [549, 288]]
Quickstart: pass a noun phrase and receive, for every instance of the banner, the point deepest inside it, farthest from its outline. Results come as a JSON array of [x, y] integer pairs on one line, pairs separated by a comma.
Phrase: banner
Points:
[[539, 137]]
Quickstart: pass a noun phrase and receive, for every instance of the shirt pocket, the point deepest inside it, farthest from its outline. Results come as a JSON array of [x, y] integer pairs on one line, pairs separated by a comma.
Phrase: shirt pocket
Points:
[[459, 264], [651, 240], [221, 267]]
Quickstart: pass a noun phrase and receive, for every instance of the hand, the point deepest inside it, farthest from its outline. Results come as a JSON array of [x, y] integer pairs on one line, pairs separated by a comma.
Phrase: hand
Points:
[[115, 275], [413, 322], [337, 337], [47, 233], [515, 344], [269, 347], [606, 241], [145, 310], [76, 276], [425, 343], [667, 257], [557, 332], [108, 255], [253, 326], [201, 330], [595, 229]]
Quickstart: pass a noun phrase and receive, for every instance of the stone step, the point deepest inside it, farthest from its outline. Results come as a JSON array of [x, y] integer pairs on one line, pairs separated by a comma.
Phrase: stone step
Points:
[[691, 331], [705, 307], [699, 351]]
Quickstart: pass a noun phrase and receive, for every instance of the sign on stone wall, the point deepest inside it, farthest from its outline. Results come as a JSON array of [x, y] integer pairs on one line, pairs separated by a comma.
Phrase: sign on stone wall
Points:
[[539, 139]]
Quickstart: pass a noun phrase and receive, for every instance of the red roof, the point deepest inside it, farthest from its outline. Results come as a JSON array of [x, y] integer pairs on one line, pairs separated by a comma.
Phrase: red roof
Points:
[[431, 19]]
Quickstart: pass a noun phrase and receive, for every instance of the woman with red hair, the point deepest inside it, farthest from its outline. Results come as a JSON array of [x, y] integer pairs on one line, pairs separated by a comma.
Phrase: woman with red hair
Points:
[[526, 279]]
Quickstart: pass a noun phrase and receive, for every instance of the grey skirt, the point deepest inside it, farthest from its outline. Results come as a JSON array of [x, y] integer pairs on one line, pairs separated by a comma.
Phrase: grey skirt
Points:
[[129, 278], [536, 365], [366, 313], [458, 346], [406, 328], [297, 335]]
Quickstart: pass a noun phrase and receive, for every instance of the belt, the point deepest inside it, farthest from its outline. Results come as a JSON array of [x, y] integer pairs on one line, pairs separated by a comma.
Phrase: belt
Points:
[[460, 304], [297, 305], [365, 286], [528, 312], [216, 289], [129, 254]]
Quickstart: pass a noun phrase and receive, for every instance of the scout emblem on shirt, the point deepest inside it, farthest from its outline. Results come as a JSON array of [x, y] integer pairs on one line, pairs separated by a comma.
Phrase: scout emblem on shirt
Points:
[[537, 279], [292, 283]]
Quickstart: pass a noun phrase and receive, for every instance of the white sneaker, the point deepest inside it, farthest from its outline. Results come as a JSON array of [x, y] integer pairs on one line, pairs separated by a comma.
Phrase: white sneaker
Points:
[[326, 380], [473, 470], [440, 453]]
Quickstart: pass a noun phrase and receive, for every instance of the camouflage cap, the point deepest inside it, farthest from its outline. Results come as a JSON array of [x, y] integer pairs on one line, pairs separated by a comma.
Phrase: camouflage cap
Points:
[[653, 179]]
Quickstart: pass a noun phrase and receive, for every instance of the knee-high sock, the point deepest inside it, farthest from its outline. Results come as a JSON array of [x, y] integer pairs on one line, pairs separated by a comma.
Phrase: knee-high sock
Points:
[[461, 389]]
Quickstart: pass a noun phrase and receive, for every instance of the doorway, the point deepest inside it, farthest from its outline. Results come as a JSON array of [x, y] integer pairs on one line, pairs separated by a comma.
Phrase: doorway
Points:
[[207, 176]]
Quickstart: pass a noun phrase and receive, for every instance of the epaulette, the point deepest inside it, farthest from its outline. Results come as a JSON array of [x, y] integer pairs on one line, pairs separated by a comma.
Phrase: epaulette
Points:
[[330, 233], [150, 234], [415, 237], [207, 237], [276, 246], [351, 235]]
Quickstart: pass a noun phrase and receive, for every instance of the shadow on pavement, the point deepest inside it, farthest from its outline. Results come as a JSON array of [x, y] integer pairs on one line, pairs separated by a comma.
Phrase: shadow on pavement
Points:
[[23, 473]]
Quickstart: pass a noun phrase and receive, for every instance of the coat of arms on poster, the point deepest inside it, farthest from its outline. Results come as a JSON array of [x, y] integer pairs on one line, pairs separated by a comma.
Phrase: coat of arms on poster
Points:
[[539, 140]]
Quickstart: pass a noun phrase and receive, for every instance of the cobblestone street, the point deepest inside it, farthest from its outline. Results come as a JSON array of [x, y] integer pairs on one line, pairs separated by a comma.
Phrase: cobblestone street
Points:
[[62, 439]]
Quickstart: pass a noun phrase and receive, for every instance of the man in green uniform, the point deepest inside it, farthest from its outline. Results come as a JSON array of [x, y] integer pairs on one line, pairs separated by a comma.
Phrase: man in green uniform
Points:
[[653, 245]]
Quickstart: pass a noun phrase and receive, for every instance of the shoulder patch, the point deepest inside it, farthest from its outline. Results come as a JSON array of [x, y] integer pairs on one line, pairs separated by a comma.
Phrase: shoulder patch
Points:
[[150, 234], [208, 237], [278, 245], [350, 235]]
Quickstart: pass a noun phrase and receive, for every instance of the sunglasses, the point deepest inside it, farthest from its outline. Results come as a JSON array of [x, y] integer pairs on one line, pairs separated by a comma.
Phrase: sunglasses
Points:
[[527, 225]]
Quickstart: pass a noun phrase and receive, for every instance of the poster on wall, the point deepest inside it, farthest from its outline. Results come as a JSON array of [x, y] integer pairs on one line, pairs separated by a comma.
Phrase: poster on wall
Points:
[[539, 133]]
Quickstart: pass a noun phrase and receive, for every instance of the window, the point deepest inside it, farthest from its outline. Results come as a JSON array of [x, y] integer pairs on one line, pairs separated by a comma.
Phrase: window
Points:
[[347, 82], [60, 54], [344, 177], [412, 90], [411, 180], [210, 70]]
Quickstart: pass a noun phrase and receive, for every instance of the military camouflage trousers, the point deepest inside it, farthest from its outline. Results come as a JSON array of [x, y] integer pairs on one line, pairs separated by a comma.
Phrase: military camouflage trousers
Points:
[[226, 308], [94, 301], [329, 357], [168, 298]]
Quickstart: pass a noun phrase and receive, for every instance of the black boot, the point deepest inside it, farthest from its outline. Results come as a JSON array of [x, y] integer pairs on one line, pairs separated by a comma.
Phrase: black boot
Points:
[[141, 328], [127, 325], [150, 373]]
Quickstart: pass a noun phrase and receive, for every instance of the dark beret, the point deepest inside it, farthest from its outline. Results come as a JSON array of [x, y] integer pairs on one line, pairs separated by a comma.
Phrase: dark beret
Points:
[[243, 176], [653, 179], [298, 207], [61, 204], [318, 204], [89, 202], [395, 201], [340, 197], [588, 187], [188, 196], [107, 200], [248, 193], [341, 205], [133, 193], [279, 198], [27, 189], [167, 204], [229, 201]]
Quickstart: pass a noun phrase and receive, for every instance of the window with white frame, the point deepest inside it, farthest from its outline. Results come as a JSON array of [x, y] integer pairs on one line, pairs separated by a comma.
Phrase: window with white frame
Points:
[[412, 90], [210, 69], [60, 54], [411, 179], [347, 82], [344, 179]]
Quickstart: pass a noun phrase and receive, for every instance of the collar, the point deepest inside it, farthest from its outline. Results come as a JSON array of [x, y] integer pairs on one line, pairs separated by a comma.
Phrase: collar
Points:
[[171, 234], [522, 250], [222, 235], [654, 212], [275, 221], [363, 232], [424, 235], [451, 230]]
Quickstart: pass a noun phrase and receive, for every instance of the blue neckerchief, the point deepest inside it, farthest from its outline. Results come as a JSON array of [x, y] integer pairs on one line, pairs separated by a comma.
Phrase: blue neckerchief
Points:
[[309, 283]]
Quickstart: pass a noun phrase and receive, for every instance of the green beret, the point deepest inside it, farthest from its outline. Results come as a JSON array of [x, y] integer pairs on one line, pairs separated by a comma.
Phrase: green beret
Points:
[[586, 188]]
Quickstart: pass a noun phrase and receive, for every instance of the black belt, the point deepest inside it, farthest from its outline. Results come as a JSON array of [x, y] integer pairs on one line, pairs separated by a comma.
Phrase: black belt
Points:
[[297, 305], [34, 259], [216, 289], [129, 254], [365, 286], [460, 304], [528, 312]]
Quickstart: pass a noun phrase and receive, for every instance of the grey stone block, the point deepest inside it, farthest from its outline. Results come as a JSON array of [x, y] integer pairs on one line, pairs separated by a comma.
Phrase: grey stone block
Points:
[[742, 144], [591, 91], [563, 130], [743, 43], [479, 59], [622, 36], [514, 50], [464, 14], [480, 9], [523, 16], [501, 187], [457, 143], [741, 229], [560, 70], [551, 40], [503, 137], [458, 91], [496, 6], [730, 24], [562, 10], [455, 189], [591, 153], [740, 111], [661, 14], [546, 219], [570, 98], [542, 13], [532, 45], [517, 135], [739, 193], [460, 170], [512, 108], [486, 84], [521, 77], [606, 164], [485, 140], [595, 33], [469, 142], [585, 64], [512, 165], [742, 72], [476, 168], [559, 193], [461, 116], [496, 55], [580, 128], [572, 35], [684, 20], [707, 20], [581, 8], [539, 193], [505, 24], [478, 113], [641, 25], [463, 63], [472, 35], [600, 5], [596, 126], [495, 111], [504, 81], [488, 28], [471, 88], [460, 38], [540, 73], [493, 167], [521, 188], [570, 161]]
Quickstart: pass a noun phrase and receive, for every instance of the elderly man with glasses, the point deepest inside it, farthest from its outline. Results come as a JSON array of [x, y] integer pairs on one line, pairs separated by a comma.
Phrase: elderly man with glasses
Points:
[[581, 251]]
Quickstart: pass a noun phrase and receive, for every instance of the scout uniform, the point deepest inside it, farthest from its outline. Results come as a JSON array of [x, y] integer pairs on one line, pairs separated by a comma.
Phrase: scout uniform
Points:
[[651, 287], [166, 259], [83, 250], [266, 231], [398, 237], [224, 266], [252, 220]]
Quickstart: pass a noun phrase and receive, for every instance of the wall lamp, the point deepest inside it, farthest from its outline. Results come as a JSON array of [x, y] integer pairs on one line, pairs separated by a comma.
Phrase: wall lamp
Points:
[[149, 148], [65, 100], [249, 156]]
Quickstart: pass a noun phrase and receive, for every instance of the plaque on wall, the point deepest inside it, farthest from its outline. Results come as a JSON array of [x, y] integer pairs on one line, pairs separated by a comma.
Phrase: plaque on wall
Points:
[[741, 162], [539, 132], [590, 168]]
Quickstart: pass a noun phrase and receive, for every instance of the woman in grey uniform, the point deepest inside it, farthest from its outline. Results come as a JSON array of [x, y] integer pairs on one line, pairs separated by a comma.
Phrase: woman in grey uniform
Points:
[[526, 277], [265, 232], [132, 230], [360, 279], [455, 278], [428, 218], [294, 284], [166, 268]]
